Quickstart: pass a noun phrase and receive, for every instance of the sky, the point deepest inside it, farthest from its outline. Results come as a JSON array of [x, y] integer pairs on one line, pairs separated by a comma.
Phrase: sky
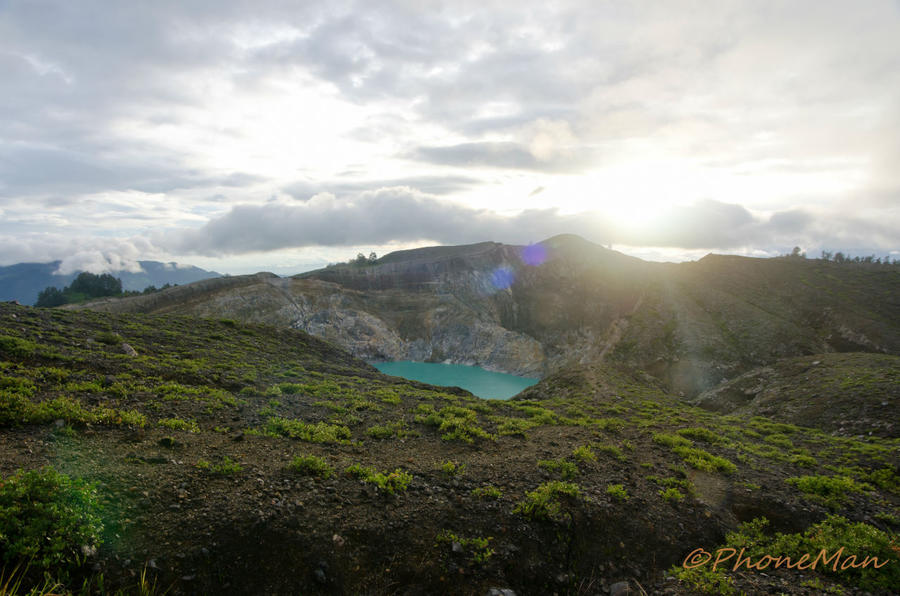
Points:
[[280, 136]]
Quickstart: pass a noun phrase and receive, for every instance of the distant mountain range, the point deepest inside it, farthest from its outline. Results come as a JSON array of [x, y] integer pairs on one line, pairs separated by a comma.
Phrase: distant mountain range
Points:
[[23, 281]]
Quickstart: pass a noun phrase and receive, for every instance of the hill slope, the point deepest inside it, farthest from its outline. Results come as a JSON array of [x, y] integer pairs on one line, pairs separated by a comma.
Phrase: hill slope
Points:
[[512, 309], [591, 477]]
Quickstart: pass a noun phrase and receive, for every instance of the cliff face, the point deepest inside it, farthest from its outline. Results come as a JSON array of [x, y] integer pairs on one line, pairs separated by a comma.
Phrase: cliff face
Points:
[[535, 310]]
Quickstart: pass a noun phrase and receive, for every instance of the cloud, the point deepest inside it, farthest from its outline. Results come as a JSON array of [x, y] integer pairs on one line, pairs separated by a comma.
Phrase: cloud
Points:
[[169, 98], [404, 215], [92, 254], [433, 185], [544, 153]]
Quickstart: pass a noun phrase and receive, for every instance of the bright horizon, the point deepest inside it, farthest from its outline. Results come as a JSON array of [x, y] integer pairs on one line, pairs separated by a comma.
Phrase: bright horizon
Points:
[[245, 138]]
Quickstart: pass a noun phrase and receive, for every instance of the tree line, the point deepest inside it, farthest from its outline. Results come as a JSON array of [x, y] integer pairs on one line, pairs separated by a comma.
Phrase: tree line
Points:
[[839, 257], [88, 286]]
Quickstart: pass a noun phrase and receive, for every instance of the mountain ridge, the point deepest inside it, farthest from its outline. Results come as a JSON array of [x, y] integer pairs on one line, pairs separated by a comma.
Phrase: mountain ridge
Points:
[[692, 324]]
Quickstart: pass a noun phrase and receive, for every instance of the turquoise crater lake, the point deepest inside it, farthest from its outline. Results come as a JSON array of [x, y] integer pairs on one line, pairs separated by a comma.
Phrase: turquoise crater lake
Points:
[[483, 383]]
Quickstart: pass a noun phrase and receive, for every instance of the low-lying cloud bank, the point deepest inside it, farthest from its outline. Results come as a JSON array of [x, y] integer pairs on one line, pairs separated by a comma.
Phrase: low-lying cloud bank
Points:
[[405, 215], [401, 215]]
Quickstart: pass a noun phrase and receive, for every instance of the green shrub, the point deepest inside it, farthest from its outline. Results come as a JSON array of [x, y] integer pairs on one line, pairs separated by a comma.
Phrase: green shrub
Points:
[[885, 479], [109, 338], [858, 540], [566, 469], [48, 519], [613, 425], [672, 494], [477, 546], [702, 460], [311, 465], [670, 440], [452, 468], [701, 434], [612, 450], [706, 581], [487, 492], [16, 346], [387, 395], [831, 491], [513, 426], [455, 422], [544, 503], [584, 454], [806, 461], [320, 432], [17, 385], [391, 482], [779, 440], [228, 467], [179, 424], [617, 492]]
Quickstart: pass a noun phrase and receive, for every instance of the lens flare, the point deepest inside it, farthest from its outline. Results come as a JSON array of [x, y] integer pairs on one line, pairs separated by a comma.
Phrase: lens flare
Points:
[[534, 254], [503, 277]]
